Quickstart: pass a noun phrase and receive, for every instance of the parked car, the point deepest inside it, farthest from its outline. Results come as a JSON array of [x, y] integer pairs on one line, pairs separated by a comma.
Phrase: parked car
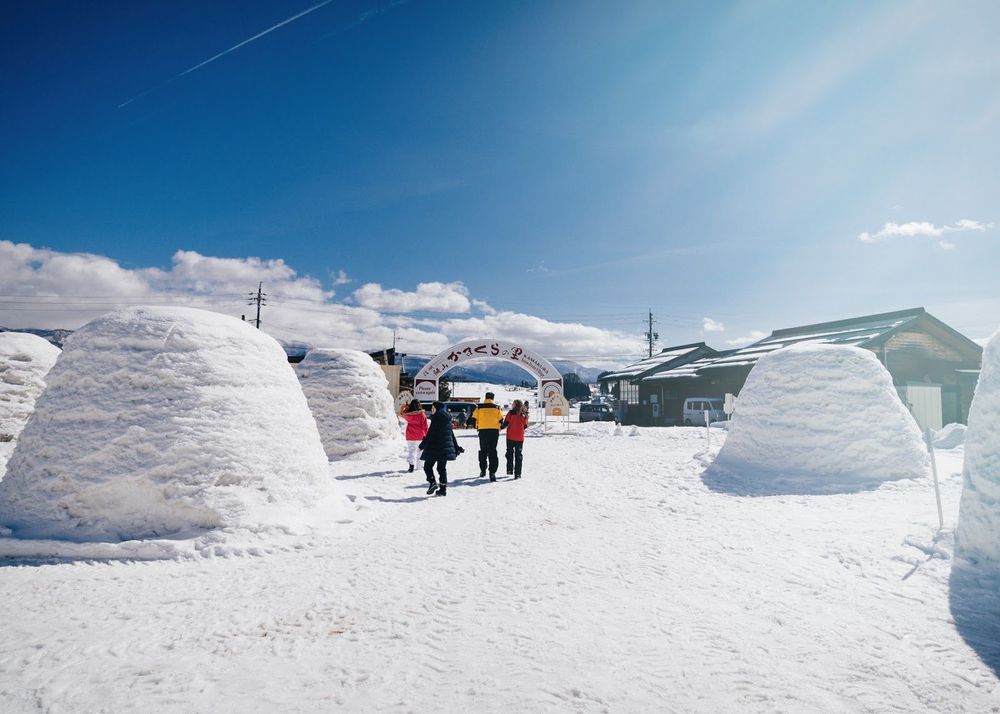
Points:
[[596, 412], [695, 408]]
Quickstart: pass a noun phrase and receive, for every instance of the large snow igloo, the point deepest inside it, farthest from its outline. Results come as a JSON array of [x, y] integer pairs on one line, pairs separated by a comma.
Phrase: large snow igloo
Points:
[[821, 418], [164, 422], [977, 537], [349, 396], [25, 359]]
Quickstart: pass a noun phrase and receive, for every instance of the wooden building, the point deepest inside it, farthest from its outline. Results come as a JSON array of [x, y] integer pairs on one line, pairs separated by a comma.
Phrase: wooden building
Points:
[[634, 406], [933, 366]]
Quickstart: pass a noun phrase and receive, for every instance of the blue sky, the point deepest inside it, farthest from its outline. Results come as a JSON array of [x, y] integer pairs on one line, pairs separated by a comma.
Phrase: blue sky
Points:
[[558, 165]]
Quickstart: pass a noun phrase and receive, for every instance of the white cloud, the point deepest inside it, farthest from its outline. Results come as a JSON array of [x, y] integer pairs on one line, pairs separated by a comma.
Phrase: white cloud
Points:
[[428, 297], [484, 307], [710, 325], [754, 336], [340, 278], [66, 290], [966, 225], [923, 228], [583, 343], [198, 273]]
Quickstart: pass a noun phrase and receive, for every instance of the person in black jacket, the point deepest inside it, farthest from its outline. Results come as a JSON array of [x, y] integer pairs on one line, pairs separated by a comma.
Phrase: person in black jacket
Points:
[[439, 447]]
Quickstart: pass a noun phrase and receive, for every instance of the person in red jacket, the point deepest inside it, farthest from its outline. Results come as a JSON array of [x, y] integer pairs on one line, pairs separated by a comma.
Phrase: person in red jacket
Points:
[[516, 421], [416, 429]]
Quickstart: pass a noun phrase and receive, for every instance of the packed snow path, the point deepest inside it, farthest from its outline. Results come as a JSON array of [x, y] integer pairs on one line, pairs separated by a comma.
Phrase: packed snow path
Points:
[[609, 578]]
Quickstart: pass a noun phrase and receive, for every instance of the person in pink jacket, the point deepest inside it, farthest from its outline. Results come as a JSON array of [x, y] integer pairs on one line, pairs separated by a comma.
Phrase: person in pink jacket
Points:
[[416, 429]]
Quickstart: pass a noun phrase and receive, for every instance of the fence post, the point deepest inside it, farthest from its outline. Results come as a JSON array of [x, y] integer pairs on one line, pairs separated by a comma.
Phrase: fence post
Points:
[[708, 430], [929, 438]]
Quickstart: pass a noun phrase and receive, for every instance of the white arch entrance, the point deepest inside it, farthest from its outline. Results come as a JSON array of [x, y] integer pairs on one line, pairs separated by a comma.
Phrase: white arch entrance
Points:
[[425, 384]]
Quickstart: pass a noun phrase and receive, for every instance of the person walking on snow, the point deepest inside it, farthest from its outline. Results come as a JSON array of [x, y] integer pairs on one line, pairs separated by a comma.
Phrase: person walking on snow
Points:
[[488, 420], [516, 421], [416, 428], [439, 447]]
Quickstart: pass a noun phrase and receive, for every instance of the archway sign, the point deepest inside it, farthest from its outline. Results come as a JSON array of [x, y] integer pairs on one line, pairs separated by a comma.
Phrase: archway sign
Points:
[[425, 384]]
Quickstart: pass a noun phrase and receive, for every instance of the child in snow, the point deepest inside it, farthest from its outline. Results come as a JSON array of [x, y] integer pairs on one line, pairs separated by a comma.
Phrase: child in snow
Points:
[[439, 447], [516, 421], [416, 429]]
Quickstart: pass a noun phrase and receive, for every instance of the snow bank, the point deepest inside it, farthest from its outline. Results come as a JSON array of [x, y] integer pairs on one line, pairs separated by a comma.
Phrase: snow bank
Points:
[[166, 422], [950, 436], [24, 361], [977, 537], [349, 396], [821, 418]]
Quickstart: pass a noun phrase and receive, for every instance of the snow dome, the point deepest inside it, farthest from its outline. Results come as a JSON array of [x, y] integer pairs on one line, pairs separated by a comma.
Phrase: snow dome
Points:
[[978, 533], [165, 421], [349, 396], [821, 418], [25, 359]]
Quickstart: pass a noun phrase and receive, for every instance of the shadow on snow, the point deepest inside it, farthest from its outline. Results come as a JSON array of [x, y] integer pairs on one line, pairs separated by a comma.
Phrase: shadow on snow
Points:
[[975, 607], [747, 483]]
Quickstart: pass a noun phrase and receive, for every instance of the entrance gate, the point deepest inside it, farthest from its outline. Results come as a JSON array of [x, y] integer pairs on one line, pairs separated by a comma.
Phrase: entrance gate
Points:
[[425, 384]]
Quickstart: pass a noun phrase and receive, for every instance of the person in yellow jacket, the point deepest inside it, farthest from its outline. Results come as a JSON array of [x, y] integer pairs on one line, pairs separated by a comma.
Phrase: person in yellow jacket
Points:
[[488, 418]]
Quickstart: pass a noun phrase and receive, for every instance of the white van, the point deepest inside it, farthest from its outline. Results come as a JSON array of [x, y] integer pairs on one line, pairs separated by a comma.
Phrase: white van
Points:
[[695, 408]]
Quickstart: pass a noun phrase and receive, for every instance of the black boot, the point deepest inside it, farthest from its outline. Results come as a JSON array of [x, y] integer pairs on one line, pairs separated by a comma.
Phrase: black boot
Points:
[[442, 491], [411, 469], [431, 488]]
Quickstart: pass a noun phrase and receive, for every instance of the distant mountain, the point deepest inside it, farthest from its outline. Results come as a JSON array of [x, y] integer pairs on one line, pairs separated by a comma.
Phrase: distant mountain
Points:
[[587, 375], [56, 337], [497, 372]]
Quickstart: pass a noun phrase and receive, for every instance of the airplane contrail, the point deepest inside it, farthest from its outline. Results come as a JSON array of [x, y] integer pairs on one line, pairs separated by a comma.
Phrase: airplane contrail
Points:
[[293, 18], [235, 47]]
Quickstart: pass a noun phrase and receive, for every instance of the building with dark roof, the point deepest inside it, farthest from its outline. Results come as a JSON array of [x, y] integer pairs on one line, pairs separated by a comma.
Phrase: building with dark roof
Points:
[[625, 384], [933, 366]]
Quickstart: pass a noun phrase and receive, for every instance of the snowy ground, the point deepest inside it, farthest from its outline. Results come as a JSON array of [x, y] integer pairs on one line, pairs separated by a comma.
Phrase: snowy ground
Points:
[[503, 394], [610, 578]]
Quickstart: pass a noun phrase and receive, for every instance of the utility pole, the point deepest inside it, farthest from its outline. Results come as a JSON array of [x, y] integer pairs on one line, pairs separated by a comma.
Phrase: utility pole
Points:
[[259, 298], [651, 337], [394, 341]]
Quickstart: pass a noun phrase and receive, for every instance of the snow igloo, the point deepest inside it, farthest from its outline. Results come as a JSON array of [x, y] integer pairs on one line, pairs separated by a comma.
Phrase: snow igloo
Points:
[[821, 418], [166, 422], [977, 537], [25, 360], [349, 397]]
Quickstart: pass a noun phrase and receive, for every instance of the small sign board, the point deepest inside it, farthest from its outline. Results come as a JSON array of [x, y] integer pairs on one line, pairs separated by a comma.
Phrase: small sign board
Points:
[[426, 390], [556, 405], [404, 398], [548, 387], [729, 406]]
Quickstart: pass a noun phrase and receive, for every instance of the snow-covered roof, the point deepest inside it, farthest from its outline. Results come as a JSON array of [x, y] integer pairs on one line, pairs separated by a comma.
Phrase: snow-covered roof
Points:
[[658, 361], [860, 332], [685, 370], [865, 331]]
